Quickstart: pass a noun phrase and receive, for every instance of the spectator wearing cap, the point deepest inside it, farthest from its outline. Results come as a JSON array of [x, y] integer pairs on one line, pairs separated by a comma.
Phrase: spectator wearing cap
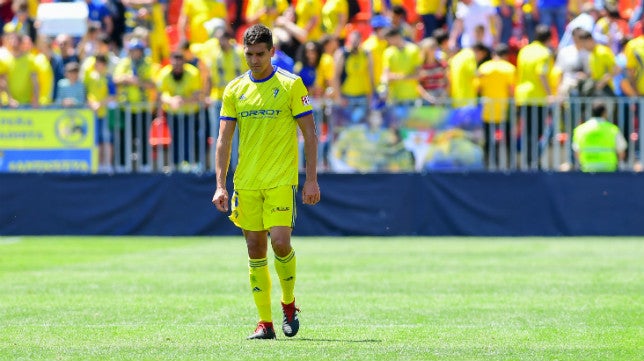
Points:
[[180, 87], [133, 78], [432, 13], [376, 45], [71, 92]]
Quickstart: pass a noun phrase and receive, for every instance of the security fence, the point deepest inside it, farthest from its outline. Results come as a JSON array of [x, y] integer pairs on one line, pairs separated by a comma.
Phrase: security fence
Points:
[[353, 138]]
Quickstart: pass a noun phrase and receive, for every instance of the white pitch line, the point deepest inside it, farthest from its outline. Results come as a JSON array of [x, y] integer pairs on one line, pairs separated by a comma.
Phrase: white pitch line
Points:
[[9, 240]]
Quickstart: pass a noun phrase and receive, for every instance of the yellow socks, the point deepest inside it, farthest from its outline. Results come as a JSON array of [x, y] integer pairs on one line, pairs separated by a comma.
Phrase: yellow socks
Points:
[[285, 267], [260, 284]]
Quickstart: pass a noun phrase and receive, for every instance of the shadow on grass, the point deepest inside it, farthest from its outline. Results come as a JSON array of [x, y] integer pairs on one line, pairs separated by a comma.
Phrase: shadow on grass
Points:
[[331, 340]]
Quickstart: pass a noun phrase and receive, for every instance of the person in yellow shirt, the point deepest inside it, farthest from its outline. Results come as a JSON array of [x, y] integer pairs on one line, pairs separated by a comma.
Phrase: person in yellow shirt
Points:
[[151, 15], [19, 78], [401, 63], [99, 88], [194, 14], [226, 64], [634, 52], [335, 16], [533, 92], [134, 86], [326, 68], [264, 11], [602, 65], [180, 87], [353, 81], [462, 84], [45, 74], [432, 13], [497, 78], [376, 45]]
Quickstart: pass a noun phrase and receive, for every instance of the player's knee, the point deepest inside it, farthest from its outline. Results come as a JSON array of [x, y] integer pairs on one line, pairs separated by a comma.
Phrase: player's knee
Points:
[[281, 246]]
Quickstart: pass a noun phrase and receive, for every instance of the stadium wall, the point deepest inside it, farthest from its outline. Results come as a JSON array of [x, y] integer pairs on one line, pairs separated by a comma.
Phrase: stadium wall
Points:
[[445, 204]]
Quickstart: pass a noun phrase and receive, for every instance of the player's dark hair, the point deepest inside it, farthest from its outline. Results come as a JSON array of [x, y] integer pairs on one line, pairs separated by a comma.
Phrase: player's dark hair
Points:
[[598, 109], [257, 34]]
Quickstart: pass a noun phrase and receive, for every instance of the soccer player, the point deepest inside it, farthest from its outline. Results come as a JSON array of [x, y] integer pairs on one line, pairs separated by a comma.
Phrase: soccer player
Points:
[[269, 104]]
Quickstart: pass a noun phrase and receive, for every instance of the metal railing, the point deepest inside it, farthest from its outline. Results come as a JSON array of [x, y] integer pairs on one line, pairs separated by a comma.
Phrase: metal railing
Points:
[[413, 137]]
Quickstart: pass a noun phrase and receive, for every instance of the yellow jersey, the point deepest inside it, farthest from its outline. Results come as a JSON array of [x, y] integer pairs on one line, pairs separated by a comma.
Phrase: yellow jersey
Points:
[[253, 7], [45, 79], [534, 61], [187, 86], [634, 52], [224, 67], [19, 74], [355, 78], [97, 89], [325, 72], [198, 13], [305, 10], [403, 61], [132, 94], [496, 80], [376, 47], [266, 111], [462, 78], [601, 61], [331, 11]]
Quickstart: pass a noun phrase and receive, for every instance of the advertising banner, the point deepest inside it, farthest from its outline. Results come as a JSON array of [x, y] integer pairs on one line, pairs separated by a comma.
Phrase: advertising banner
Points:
[[47, 140]]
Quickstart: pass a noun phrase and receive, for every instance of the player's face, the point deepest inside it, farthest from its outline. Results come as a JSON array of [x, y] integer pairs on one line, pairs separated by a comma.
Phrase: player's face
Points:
[[258, 58]]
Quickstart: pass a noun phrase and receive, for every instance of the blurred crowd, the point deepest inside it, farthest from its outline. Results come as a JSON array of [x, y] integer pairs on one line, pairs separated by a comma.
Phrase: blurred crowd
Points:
[[164, 56]]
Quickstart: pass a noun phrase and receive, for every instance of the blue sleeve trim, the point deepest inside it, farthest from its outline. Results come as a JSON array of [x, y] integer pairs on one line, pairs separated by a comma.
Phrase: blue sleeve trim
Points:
[[303, 114], [227, 118]]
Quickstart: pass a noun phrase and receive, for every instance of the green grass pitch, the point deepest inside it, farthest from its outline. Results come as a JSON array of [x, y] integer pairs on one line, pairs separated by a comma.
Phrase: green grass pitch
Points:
[[135, 298]]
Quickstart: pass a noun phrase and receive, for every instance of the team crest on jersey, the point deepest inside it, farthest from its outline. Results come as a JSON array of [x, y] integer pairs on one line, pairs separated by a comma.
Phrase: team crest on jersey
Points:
[[305, 100], [275, 91], [242, 97]]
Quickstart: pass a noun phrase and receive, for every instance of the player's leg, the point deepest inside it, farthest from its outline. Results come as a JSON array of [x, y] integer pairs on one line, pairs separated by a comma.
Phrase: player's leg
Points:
[[260, 282], [279, 217], [246, 213]]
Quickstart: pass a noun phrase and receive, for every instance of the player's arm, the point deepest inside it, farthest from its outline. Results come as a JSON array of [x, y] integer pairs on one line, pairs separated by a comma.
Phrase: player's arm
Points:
[[311, 189], [222, 161]]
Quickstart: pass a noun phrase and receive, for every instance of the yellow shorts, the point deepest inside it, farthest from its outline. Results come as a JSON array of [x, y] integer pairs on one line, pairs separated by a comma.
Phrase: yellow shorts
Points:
[[260, 210]]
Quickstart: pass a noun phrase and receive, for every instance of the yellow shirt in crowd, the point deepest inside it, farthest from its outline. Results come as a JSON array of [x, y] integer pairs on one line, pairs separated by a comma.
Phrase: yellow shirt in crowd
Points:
[[634, 52], [533, 62], [199, 12], [496, 81], [307, 10], [331, 12], [404, 61], [189, 84], [97, 90], [462, 75]]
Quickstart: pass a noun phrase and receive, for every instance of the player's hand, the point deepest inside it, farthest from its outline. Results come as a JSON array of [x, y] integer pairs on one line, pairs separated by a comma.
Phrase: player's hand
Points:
[[311, 192], [220, 199]]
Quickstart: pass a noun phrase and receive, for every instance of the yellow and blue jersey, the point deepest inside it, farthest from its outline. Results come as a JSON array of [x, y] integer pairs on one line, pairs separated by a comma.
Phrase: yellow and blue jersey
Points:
[[266, 112]]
